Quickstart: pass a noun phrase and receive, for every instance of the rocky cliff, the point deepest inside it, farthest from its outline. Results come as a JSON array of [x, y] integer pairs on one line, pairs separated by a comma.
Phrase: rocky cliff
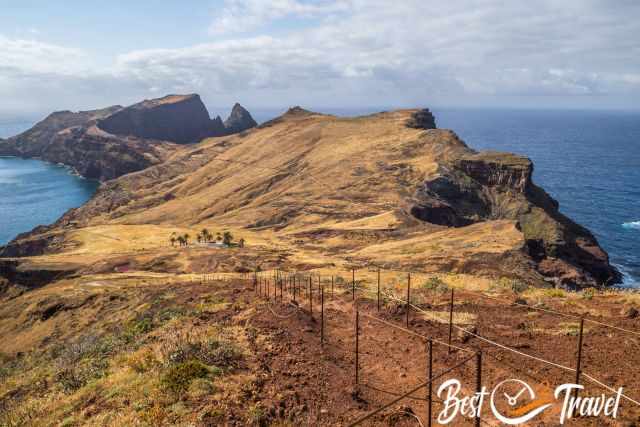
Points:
[[239, 120], [178, 118], [476, 187], [34, 142], [108, 143]]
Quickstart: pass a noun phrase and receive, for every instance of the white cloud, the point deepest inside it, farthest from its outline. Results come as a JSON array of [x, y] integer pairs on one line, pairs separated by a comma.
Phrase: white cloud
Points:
[[238, 16], [361, 53], [32, 56]]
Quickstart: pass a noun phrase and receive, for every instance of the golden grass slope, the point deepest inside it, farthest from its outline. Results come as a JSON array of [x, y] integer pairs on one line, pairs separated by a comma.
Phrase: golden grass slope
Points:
[[316, 188]]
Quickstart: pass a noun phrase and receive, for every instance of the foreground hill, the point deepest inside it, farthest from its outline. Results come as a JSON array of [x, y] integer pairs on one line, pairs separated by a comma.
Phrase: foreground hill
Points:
[[387, 189], [114, 141]]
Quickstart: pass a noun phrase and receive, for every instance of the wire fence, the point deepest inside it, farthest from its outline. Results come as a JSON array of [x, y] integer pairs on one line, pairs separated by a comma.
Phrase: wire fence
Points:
[[303, 290]]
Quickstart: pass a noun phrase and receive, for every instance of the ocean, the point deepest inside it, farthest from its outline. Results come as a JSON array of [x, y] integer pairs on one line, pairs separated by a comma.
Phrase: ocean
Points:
[[587, 160], [33, 192]]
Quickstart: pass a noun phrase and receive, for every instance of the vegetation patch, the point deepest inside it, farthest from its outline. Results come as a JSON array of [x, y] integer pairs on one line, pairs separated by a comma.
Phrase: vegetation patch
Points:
[[178, 378]]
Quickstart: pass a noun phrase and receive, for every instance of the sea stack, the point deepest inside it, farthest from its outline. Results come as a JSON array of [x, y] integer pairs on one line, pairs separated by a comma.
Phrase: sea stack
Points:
[[239, 120]]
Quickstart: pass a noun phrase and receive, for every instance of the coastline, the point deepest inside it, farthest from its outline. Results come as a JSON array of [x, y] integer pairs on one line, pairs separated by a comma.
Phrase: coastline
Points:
[[68, 170]]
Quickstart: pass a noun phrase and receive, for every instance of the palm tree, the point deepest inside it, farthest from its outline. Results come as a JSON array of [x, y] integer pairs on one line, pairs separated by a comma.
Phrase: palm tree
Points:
[[241, 243], [218, 237], [206, 235], [199, 237], [172, 239], [186, 239], [227, 238], [181, 240]]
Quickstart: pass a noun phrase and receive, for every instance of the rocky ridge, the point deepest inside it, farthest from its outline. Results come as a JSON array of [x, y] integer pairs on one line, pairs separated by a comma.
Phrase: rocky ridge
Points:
[[181, 119], [107, 143]]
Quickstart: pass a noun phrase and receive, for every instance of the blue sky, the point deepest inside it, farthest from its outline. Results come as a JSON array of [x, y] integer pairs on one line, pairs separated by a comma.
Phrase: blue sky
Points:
[[324, 53]]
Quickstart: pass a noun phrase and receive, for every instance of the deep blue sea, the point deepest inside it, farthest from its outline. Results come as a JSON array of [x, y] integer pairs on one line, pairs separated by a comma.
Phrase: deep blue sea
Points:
[[588, 160], [33, 192]]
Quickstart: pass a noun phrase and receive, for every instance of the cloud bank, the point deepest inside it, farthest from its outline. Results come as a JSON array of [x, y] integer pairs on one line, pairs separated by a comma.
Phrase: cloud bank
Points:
[[358, 53]]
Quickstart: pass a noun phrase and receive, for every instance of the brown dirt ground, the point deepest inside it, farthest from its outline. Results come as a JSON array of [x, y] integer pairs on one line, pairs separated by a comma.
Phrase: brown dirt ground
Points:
[[318, 380]]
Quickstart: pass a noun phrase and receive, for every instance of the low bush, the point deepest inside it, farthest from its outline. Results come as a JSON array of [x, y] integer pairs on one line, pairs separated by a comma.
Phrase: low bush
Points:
[[588, 293], [514, 285], [435, 284], [74, 377], [134, 328], [210, 350], [178, 377], [554, 293], [142, 360]]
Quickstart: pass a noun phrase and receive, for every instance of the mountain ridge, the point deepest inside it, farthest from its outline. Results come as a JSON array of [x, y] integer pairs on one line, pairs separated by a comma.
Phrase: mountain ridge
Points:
[[79, 140], [384, 189]]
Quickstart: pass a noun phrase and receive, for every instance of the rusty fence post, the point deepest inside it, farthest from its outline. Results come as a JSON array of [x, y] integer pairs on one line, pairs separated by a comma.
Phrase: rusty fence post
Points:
[[450, 319], [357, 345], [430, 378], [310, 298], [294, 288], [579, 356], [408, 297], [478, 383], [378, 288], [331, 287], [353, 284], [322, 315]]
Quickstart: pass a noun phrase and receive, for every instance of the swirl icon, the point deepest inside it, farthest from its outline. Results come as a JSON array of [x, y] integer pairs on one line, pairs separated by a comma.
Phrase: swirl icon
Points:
[[523, 392]]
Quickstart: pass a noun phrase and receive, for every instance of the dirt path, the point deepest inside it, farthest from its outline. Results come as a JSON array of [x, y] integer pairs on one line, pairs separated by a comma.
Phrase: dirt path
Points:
[[392, 360]]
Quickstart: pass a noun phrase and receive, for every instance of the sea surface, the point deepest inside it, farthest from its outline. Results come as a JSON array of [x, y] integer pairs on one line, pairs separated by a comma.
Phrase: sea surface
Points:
[[33, 192], [588, 160]]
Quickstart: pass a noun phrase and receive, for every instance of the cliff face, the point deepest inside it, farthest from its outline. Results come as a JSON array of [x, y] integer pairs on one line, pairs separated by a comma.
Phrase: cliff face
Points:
[[108, 143], [178, 118], [422, 119], [487, 186]]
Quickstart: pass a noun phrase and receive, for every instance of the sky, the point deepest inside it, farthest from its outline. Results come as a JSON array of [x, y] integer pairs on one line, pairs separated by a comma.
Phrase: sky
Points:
[[321, 54]]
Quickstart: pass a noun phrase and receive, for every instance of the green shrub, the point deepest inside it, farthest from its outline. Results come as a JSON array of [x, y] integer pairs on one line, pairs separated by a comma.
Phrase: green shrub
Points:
[[435, 284], [256, 415], [554, 293], [588, 293], [135, 328], [178, 377], [514, 285], [142, 360], [74, 377], [211, 351]]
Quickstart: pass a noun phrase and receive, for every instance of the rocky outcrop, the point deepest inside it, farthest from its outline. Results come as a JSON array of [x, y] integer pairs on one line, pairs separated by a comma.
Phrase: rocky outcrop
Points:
[[177, 118], [108, 143], [422, 119], [239, 120], [488, 186], [33, 142]]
